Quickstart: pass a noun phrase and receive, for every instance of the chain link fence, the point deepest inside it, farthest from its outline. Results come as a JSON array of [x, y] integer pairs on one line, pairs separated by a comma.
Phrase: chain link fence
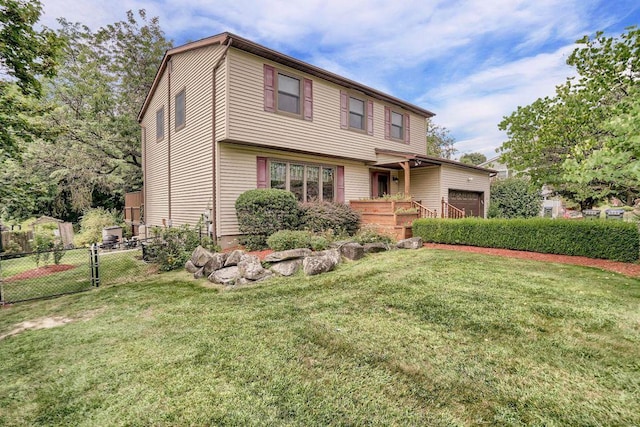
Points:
[[38, 275]]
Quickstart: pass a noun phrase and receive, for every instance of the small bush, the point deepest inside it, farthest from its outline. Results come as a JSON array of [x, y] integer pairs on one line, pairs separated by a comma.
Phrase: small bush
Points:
[[294, 239], [13, 248], [370, 235], [42, 246], [262, 212], [614, 240], [92, 223], [324, 216], [514, 198], [171, 247]]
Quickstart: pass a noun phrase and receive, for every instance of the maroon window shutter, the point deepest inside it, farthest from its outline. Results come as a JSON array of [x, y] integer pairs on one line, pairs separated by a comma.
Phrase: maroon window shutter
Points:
[[344, 110], [262, 172], [407, 129], [308, 99], [387, 123], [370, 117], [269, 88], [340, 184]]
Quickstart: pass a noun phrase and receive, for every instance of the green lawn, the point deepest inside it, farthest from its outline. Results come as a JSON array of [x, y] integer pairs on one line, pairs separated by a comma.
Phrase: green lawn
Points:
[[426, 337]]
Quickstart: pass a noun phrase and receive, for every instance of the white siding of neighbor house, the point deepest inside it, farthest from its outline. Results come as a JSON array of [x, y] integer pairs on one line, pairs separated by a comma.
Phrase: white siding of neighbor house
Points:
[[156, 160], [249, 122], [425, 186], [457, 178], [238, 173]]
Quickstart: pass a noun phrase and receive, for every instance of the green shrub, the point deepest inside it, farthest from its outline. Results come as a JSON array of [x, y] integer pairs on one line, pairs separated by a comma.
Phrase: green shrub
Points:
[[12, 248], [514, 198], [325, 216], [262, 212], [370, 235], [42, 246], [614, 240], [171, 247], [92, 223], [294, 239]]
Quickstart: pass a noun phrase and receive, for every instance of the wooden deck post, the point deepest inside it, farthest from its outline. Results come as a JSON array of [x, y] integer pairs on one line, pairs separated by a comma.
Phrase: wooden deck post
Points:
[[407, 178]]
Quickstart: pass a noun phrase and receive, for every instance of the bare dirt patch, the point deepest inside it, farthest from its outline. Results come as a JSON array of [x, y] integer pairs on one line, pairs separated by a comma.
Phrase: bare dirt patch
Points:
[[48, 323], [627, 269], [40, 272]]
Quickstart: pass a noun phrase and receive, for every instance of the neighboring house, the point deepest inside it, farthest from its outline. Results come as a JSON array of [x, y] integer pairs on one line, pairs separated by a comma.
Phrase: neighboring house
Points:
[[226, 115], [502, 169]]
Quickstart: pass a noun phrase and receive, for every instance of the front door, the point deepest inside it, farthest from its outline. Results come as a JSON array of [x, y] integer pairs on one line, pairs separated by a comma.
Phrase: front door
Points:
[[380, 184], [472, 202]]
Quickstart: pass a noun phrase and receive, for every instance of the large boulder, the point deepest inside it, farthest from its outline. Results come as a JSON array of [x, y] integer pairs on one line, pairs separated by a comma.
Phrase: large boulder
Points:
[[200, 256], [225, 276], [321, 262], [234, 258], [288, 254], [216, 262], [199, 273], [352, 250], [191, 267], [287, 268], [412, 243], [374, 247], [250, 268]]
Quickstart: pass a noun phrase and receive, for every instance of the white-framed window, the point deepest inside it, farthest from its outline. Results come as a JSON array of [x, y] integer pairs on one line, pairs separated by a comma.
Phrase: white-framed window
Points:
[[357, 113], [397, 125], [180, 109], [289, 94], [309, 182], [160, 124]]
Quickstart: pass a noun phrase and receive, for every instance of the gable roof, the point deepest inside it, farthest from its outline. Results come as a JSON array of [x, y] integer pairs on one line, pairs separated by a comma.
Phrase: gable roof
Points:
[[246, 45]]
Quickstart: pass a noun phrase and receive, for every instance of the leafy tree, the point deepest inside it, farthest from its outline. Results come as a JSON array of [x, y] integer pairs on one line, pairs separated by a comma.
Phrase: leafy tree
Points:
[[25, 55], [580, 140], [439, 141], [514, 198], [473, 158]]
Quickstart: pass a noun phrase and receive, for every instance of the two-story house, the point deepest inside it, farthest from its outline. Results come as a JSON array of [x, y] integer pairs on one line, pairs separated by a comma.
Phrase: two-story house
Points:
[[226, 115]]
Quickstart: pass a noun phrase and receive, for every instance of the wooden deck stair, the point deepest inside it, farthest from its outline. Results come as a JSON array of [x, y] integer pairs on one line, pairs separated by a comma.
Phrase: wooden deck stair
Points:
[[392, 217]]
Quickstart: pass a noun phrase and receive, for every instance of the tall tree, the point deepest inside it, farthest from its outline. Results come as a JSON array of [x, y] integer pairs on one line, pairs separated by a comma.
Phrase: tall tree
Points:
[[25, 56], [473, 158], [439, 141], [561, 140]]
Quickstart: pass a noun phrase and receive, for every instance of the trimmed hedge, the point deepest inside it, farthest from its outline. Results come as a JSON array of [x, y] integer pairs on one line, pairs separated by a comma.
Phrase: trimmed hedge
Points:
[[324, 216], [615, 240], [262, 212], [294, 239]]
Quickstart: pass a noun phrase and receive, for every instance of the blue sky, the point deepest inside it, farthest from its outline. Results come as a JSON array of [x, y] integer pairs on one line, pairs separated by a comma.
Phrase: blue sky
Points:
[[471, 62]]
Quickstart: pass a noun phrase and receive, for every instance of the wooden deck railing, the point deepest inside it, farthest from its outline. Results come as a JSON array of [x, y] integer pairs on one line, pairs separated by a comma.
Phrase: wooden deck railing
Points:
[[450, 211], [423, 211]]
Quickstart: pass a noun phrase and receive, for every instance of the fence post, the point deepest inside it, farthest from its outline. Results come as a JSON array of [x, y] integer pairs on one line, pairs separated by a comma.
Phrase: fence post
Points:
[[95, 272]]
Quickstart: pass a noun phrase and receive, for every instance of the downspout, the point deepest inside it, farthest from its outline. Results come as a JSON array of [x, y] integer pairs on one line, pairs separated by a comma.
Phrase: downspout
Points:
[[144, 179], [169, 221], [214, 205]]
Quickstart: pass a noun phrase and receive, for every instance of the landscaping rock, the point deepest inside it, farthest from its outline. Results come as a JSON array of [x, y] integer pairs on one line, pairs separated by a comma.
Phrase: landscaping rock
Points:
[[250, 268], [216, 262], [200, 256], [233, 258], [353, 251], [225, 276], [190, 267], [370, 248], [199, 273], [412, 243], [288, 254], [287, 268], [321, 262]]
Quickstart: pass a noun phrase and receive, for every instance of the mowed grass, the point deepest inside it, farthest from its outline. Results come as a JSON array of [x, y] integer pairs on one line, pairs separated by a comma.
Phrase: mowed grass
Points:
[[425, 337]]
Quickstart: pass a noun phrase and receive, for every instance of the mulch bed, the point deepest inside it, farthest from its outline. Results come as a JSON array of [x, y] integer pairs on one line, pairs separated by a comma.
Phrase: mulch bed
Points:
[[628, 269], [39, 272]]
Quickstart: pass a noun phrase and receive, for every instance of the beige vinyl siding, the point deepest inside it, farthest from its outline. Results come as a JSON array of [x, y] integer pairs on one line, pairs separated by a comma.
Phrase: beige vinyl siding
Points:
[[156, 160], [237, 173], [425, 186], [250, 123], [221, 96], [457, 178], [192, 146]]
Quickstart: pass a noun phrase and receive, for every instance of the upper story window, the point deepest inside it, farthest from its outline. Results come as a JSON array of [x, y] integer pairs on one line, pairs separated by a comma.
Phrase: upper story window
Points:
[[356, 113], [180, 110], [396, 125], [287, 93], [160, 124]]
